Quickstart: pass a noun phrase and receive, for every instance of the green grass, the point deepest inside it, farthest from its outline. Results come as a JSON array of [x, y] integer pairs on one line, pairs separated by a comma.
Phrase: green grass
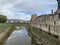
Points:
[[4, 26], [40, 34]]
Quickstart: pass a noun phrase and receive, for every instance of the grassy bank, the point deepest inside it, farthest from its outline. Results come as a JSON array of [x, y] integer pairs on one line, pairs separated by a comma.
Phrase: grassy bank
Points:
[[41, 34], [6, 30], [4, 26]]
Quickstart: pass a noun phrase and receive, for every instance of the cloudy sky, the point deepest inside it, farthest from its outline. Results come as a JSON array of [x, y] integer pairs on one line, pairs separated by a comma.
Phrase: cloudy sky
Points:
[[22, 9]]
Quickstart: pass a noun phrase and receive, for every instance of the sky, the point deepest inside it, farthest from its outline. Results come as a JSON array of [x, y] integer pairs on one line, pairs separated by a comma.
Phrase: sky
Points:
[[23, 9]]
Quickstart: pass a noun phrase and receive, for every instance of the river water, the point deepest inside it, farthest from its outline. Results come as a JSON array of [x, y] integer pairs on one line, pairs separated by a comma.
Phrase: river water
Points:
[[19, 37]]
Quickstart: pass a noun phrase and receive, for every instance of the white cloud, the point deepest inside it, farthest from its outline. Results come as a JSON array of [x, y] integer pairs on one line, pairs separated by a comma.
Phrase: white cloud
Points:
[[22, 16], [35, 5], [9, 7]]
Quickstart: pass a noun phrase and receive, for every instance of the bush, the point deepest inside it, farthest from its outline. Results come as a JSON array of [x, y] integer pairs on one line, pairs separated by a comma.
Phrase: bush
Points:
[[3, 19]]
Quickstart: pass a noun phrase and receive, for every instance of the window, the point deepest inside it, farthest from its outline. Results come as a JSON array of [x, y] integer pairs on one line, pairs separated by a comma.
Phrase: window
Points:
[[59, 15], [46, 25], [58, 3], [54, 23]]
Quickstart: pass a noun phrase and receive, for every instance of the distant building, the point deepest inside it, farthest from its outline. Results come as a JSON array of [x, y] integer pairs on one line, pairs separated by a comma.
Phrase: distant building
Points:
[[15, 21], [26, 21]]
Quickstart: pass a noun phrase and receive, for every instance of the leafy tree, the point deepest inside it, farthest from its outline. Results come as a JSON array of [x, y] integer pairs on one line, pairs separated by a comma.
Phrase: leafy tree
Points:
[[3, 19]]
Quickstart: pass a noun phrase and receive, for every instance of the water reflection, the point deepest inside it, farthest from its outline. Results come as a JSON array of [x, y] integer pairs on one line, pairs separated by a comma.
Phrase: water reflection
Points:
[[19, 37]]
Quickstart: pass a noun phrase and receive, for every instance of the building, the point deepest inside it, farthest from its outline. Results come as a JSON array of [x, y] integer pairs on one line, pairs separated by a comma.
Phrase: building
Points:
[[48, 22], [15, 21]]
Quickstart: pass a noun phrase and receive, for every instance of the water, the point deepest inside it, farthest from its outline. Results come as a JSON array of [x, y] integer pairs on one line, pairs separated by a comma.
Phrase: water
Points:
[[19, 37]]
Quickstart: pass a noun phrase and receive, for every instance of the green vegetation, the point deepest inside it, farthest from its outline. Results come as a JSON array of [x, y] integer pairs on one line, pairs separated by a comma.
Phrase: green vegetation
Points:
[[20, 24], [3, 19], [41, 34], [4, 27]]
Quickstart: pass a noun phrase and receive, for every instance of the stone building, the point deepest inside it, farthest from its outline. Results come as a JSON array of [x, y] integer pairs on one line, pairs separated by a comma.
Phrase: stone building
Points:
[[48, 22]]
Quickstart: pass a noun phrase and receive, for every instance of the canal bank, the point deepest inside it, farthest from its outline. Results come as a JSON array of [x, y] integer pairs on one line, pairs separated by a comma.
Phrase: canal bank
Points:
[[40, 37], [4, 34]]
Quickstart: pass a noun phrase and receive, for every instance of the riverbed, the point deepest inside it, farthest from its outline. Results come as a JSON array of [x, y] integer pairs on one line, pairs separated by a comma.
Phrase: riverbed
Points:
[[19, 37]]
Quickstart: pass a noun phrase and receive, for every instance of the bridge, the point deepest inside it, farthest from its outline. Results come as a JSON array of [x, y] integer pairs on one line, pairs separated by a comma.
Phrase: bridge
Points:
[[40, 37]]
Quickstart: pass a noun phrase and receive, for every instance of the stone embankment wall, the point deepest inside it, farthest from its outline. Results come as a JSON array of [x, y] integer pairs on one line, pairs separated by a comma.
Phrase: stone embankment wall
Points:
[[53, 29], [4, 35]]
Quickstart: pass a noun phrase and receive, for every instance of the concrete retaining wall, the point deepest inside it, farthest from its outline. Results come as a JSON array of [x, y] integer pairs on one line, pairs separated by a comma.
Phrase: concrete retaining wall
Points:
[[55, 30]]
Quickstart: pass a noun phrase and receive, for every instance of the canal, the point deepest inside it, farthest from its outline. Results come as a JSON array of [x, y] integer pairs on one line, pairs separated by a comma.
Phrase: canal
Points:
[[19, 37]]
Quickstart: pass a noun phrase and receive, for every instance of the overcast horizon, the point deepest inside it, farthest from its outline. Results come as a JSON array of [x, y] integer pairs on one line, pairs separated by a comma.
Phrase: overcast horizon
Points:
[[23, 9]]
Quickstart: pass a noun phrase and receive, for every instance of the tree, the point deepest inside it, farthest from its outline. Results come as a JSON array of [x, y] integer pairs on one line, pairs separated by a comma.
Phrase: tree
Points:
[[3, 19]]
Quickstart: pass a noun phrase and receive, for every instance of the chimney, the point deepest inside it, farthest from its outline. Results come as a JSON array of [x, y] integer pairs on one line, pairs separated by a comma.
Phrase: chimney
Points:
[[52, 12]]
